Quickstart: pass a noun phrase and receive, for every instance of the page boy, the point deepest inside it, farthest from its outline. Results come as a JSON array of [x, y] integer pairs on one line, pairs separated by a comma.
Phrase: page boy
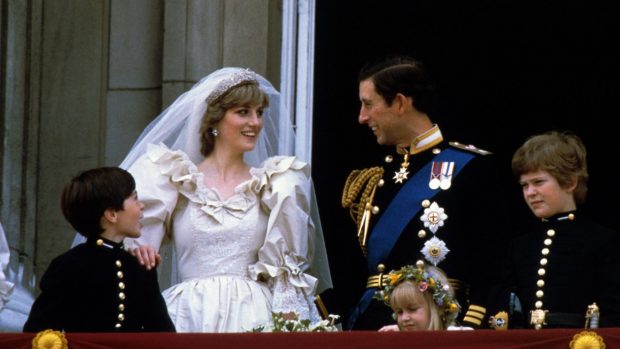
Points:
[[97, 286]]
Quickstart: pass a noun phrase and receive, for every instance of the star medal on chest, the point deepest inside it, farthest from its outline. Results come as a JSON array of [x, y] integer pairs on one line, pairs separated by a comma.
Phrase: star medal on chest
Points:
[[433, 217], [441, 175], [401, 175], [434, 250]]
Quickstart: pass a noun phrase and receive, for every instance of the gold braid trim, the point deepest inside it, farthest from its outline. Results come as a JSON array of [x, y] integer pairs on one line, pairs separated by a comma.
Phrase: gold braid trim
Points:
[[364, 181]]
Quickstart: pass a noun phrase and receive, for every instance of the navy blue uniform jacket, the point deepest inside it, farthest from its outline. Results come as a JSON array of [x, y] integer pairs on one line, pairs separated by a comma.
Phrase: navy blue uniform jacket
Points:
[[99, 288], [581, 268], [475, 232]]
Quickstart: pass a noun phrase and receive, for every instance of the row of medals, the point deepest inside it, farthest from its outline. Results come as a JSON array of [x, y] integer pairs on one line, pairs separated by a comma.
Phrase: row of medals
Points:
[[434, 249]]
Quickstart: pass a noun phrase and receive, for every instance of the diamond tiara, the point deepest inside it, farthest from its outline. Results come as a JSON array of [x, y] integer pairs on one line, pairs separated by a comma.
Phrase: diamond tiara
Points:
[[235, 79]]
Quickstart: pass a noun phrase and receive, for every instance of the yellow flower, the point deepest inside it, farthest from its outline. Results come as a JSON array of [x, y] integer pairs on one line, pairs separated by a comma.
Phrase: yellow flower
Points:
[[49, 339], [431, 281], [587, 340], [453, 307], [394, 278]]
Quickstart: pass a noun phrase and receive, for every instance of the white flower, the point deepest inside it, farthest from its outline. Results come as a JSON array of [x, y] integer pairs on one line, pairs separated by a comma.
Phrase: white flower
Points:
[[291, 323]]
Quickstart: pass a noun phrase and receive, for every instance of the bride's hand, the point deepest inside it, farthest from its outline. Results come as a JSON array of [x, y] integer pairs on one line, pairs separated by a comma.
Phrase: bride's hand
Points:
[[147, 256]]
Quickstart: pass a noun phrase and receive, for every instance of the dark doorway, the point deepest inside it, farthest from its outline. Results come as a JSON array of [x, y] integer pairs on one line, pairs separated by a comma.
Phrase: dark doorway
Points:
[[505, 70]]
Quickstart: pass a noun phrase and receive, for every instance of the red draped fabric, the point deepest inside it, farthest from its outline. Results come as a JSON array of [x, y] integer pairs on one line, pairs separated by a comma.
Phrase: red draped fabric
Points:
[[480, 339]]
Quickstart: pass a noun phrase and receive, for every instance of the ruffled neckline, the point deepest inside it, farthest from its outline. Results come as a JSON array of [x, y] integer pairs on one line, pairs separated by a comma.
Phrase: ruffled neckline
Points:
[[185, 174]]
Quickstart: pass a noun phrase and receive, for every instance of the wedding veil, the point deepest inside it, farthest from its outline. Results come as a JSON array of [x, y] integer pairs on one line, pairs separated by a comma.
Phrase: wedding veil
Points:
[[178, 127]]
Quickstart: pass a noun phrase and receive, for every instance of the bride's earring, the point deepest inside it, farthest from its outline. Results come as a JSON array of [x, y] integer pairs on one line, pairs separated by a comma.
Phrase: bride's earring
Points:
[[215, 132]]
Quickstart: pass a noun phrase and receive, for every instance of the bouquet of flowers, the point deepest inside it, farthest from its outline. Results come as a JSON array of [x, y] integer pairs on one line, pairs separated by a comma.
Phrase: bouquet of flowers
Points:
[[290, 322]]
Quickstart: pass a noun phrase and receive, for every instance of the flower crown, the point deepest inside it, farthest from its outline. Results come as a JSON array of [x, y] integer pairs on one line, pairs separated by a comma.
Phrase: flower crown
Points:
[[425, 282], [235, 79]]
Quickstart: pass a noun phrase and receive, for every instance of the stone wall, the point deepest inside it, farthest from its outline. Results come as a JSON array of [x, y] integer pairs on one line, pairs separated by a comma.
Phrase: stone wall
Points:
[[81, 78]]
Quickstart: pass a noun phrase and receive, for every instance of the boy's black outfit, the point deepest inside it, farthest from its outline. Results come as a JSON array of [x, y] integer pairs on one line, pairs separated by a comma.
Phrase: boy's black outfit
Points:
[[99, 287], [563, 265]]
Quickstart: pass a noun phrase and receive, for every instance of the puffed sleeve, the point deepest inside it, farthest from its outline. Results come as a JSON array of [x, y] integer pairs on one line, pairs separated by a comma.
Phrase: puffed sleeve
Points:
[[159, 176], [284, 190]]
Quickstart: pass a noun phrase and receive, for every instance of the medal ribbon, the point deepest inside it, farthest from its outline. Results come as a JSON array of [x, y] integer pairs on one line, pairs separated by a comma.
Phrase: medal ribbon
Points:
[[447, 169], [436, 171], [393, 221]]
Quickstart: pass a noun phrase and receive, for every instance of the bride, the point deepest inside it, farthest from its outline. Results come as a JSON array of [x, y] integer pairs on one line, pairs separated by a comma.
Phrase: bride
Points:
[[241, 221]]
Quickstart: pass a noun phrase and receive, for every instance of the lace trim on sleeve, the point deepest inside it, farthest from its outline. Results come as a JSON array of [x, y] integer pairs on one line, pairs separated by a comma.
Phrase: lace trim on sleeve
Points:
[[288, 298]]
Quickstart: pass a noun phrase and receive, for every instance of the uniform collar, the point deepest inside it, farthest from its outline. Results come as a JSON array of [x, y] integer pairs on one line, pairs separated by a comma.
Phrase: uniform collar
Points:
[[103, 242], [560, 217], [423, 142]]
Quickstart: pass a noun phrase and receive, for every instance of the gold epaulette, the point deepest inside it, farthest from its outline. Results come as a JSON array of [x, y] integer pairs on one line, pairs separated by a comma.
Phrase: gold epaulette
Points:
[[471, 148], [357, 196]]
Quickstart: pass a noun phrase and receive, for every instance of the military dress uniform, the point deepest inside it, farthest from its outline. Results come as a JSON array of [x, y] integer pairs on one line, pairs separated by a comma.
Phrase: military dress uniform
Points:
[[97, 286], [561, 267], [459, 227]]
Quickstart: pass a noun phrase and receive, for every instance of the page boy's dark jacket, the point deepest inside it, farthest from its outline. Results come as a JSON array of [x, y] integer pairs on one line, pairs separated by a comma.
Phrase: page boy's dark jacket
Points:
[[97, 286], [580, 264]]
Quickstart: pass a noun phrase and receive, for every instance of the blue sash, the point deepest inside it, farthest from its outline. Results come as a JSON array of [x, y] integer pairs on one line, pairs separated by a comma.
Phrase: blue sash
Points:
[[395, 218]]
